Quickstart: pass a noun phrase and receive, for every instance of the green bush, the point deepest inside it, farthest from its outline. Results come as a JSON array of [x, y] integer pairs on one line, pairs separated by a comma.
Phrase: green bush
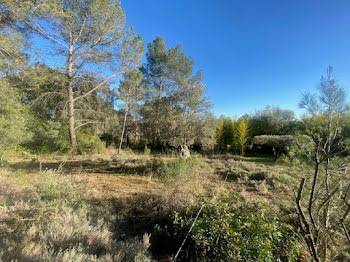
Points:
[[278, 143], [58, 189], [13, 118], [90, 144], [300, 151], [180, 169], [48, 137], [228, 231], [147, 151]]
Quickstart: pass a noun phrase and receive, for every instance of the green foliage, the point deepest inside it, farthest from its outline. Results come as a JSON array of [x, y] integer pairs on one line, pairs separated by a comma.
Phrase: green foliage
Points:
[[242, 135], [176, 108], [130, 90], [48, 137], [230, 231], [328, 188], [225, 134], [301, 150], [13, 118], [273, 121], [147, 151], [90, 144], [332, 98], [88, 35], [179, 170], [278, 143], [58, 190], [12, 40]]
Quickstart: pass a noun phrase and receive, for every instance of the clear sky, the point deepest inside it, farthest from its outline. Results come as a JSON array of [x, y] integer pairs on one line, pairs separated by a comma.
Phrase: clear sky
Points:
[[253, 52]]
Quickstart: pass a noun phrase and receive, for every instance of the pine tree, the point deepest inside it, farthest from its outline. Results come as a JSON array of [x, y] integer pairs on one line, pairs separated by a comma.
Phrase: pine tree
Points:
[[130, 92], [92, 39], [176, 108]]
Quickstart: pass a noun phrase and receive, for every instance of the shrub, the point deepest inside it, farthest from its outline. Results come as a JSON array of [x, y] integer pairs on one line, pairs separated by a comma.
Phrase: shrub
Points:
[[180, 169], [71, 236], [70, 228], [48, 136], [90, 144], [228, 231], [57, 190], [13, 118], [47, 220], [278, 144], [147, 151], [301, 150]]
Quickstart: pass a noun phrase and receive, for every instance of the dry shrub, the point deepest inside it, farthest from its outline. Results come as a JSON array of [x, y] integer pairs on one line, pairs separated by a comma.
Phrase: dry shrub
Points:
[[19, 207], [45, 219], [262, 187], [71, 236], [180, 169], [68, 229]]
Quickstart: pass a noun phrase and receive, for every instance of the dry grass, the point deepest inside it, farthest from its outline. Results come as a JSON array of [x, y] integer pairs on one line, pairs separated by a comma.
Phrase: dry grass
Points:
[[97, 208], [44, 217]]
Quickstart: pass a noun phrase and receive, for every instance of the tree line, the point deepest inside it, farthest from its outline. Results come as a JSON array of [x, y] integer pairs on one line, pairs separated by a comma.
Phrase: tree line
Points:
[[97, 57], [73, 79]]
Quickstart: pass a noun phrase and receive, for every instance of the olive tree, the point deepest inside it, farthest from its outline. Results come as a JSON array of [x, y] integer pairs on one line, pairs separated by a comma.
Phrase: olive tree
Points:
[[176, 109]]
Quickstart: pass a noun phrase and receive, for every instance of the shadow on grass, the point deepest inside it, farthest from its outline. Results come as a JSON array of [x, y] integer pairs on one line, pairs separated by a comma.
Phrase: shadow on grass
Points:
[[86, 166], [139, 214], [257, 158]]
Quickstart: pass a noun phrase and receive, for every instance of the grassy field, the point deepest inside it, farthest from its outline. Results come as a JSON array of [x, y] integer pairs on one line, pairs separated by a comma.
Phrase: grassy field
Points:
[[106, 207]]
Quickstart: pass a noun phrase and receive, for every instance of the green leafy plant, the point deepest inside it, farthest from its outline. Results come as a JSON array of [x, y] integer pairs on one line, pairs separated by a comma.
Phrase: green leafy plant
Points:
[[48, 136], [147, 151], [230, 231], [90, 144]]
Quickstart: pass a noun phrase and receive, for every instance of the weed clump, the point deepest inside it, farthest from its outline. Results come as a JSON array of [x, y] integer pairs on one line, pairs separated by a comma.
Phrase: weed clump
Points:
[[179, 170], [147, 151]]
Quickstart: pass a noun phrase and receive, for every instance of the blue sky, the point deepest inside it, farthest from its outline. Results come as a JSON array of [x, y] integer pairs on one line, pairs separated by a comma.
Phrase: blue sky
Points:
[[253, 52]]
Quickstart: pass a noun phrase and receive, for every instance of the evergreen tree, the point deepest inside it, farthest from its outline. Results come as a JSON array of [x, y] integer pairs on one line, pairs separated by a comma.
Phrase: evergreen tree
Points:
[[225, 136], [242, 135], [91, 38], [13, 118], [130, 92], [176, 109]]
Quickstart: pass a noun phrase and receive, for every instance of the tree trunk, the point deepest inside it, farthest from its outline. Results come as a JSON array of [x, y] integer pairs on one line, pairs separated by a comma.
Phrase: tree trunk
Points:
[[123, 130], [71, 122], [157, 122]]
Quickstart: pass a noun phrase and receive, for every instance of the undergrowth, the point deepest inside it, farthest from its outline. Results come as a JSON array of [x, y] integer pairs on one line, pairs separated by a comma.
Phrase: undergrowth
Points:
[[45, 218]]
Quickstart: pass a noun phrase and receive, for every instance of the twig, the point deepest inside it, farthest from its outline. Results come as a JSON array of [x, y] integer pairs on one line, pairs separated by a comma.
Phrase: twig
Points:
[[303, 222], [189, 231]]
